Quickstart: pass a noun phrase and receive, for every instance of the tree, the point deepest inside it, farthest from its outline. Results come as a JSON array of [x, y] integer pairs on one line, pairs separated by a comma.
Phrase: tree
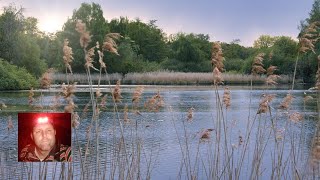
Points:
[[30, 26], [29, 56], [11, 24], [149, 38], [92, 16], [264, 41], [283, 55], [193, 51], [308, 61], [18, 41]]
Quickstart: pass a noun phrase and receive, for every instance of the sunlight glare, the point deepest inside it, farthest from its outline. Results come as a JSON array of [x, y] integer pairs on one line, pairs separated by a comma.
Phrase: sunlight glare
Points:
[[50, 24]]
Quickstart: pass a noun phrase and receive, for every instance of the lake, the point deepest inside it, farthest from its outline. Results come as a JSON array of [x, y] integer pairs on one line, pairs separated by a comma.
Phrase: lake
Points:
[[167, 145]]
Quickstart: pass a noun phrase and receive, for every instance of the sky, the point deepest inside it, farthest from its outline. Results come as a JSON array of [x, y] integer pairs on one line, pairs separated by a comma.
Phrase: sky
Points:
[[222, 20]]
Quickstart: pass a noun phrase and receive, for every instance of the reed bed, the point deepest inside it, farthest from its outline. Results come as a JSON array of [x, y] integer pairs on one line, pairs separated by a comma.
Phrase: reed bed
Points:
[[60, 78], [168, 78]]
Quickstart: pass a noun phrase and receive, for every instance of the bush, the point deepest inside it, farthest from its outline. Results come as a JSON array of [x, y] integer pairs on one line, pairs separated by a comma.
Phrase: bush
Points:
[[13, 77]]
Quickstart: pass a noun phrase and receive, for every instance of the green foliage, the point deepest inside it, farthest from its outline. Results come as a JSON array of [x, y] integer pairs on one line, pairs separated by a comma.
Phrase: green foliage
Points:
[[149, 40], [283, 55], [29, 56], [11, 24], [51, 51], [12, 77], [264, 41], [307, 64], [236, 51], [128, 61], [307, 67], [92, 16], [233, 64], [235, 56], [192, 50], [18, 41], [314, 14]]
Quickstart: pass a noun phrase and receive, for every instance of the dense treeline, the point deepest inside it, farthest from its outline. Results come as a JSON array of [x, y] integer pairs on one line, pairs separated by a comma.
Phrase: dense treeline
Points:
[[143, 46]]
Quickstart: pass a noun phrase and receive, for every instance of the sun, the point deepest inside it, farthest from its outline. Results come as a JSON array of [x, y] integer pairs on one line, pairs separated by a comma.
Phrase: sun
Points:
[[50, 24]]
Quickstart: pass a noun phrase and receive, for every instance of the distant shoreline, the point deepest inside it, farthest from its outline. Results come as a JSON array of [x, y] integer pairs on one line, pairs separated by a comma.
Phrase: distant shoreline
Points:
[[168, 78]]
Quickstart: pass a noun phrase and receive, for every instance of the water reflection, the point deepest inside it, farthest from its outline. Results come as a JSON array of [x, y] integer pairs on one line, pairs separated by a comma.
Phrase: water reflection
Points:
[[162, 134]]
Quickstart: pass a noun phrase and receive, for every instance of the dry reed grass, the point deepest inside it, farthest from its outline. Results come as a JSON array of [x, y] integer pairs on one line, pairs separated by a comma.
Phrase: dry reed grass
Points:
[[154, 103], [264, 105], [67, 55], [82, 78], [180, 78], [257, 66], [46, 79], [116, 93], [285, 104], [226, 98], [217, 63], [190, 114]]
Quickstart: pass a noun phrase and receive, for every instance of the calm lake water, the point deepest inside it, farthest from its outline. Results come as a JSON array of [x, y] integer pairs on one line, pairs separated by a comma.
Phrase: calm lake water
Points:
[[163, 134]]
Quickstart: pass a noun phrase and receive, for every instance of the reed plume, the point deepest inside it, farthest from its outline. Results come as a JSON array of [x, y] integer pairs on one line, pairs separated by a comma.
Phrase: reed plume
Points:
[[205, 134], [295, 117], [10, 124], [46, 79], [307, 98], [68, 93], [116, 93], [271, 69], [68, 90], [109, 43], [309, 38], [69, 108], [257, 66], [264, 105], [137, 95], [102, 64], [67, 55], [315, 153], [217, 76], [98, 93], [272, 78], [285, 104], [190, 114], [217, 63], [217, 56], [103, 102], [85, 110], [85, 37], [154, 103], [125, 114], [89, 59], [75, 120], [30, 97], [226, 97]]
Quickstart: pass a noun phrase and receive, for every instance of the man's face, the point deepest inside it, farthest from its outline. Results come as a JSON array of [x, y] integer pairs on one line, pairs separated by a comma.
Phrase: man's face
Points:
[[43, 135]]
